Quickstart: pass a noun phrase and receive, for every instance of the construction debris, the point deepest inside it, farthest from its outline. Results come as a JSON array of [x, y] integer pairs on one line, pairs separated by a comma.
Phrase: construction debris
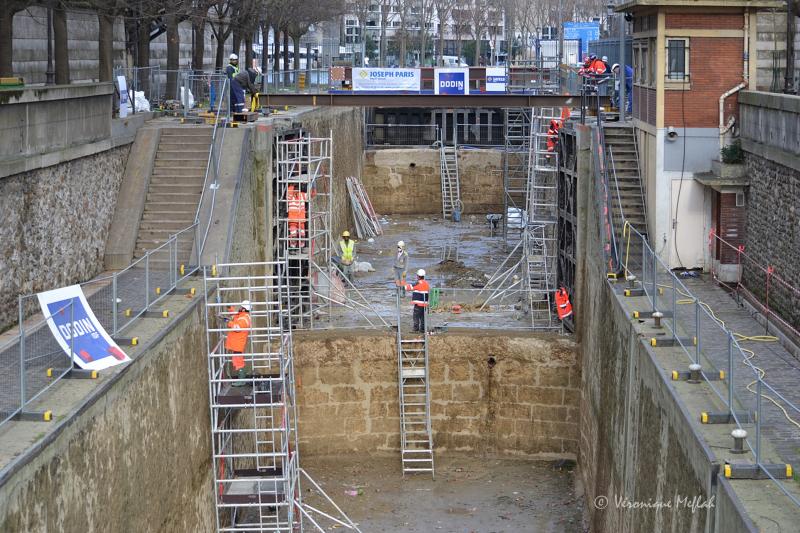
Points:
[[366, 221]]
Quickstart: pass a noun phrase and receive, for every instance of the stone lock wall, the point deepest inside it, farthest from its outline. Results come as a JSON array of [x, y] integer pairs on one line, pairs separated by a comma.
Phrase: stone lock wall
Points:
[[55, 223], [407, 181], [513, 394], [773, 234]]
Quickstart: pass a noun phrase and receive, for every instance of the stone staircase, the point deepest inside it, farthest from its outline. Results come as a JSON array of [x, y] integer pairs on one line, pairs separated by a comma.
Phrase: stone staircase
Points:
[[174, 192], [627, 193]]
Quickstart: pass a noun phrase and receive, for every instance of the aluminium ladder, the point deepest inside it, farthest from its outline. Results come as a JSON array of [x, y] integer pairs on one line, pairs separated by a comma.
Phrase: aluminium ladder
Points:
[[416, 437], [515, 173], [451, 186]]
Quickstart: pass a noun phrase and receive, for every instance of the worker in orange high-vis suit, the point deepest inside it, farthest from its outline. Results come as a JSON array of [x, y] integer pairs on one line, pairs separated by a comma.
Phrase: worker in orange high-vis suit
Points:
[[236, 340], [552, 136], [297, 216], [419, 299], [563, 306]]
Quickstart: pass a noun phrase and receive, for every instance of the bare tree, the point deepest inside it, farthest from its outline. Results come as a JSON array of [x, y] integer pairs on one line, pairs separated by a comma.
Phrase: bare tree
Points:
[[461, 23], [385, 6], [479, 19], [360, 9], [405, 16], [427, 10], [444, 8]]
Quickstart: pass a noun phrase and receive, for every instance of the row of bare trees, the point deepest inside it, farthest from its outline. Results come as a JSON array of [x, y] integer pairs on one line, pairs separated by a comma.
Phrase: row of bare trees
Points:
[[234, 20], [476, 20]]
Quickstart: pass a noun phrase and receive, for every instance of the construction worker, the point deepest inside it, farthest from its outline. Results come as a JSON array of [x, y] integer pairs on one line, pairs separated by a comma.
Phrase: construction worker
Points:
[[563, 306], [596, 67], [347, 249], [400, 267], [605, 63], [419, 299], [552, 136], [236, 340], [233, 66], [241, 81], [628, 85], [297, 216]]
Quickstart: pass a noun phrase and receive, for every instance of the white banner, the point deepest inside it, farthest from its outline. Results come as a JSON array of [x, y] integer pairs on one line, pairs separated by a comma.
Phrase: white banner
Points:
[[451, 81], [124, 103], [386, 79], [77, 330], [495, 80]]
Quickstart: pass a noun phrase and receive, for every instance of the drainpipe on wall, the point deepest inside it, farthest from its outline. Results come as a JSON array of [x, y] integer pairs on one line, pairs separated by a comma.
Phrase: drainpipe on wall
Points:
[[723, 128]]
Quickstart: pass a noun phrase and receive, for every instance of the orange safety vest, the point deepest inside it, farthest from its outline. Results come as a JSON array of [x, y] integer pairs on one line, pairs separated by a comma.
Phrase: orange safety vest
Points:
[[552, 138], [562, 304], [598, 67], [419, 294], [237, 339], [297, 205]]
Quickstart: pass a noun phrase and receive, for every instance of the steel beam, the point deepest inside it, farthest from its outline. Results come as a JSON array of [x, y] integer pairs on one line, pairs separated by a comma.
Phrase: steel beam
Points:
[[423, 100]]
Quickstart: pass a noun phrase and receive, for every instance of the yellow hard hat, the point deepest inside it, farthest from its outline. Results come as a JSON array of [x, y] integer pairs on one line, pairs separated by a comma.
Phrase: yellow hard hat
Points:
[[345, 233]]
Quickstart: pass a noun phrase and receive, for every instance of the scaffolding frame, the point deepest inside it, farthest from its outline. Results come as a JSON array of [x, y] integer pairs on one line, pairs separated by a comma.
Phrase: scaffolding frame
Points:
[[515, 172], [306, 164], [255, 454]]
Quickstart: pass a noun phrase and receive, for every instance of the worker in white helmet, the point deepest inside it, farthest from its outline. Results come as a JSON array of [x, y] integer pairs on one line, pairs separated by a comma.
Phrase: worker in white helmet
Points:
[[233, 66], [347, 255], [400, 267], [419, 299]]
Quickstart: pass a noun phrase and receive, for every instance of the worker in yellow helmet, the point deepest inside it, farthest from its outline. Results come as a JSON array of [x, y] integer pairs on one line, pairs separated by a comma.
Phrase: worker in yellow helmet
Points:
[[347, 254]]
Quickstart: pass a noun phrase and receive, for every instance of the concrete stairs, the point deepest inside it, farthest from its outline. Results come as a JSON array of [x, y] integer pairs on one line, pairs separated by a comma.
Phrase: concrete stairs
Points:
[[627, 192], [174, 192]]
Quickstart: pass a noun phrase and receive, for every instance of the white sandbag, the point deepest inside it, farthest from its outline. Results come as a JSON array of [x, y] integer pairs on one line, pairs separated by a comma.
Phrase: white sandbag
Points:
[[188, 96], [362, 266], [142, 105]]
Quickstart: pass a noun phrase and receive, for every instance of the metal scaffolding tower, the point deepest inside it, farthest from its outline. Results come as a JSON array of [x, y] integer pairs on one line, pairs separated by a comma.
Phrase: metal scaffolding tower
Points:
[[256, 463], [416, 437], [515, 173], [541, 244], [303, 202]]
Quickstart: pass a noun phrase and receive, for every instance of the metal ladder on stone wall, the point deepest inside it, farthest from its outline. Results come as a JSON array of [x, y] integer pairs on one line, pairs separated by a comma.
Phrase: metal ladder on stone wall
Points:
[[416, 437], [451, 186]]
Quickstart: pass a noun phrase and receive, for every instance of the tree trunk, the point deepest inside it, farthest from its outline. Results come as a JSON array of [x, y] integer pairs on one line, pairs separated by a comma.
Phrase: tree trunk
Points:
[[458, 49], [105, 46], [276, 39], [475, 60], [173, 54], [264, 55], [384, 17], [61, 46], [199, 50], [403, 39], [6, 43], [219, 60], [286, 56], [143, 55], [248, 50], [237, 43], [440, 52]]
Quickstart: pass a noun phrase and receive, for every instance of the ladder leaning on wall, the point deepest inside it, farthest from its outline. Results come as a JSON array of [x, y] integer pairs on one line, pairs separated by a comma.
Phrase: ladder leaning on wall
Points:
[[416, 437], [451, 186]]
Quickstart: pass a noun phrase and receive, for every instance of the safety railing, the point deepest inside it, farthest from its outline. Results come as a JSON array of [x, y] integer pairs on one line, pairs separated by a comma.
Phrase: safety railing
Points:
[[400, 134], [769, 413], [296, 81], [761, 285], [31, 364], [33, 358]]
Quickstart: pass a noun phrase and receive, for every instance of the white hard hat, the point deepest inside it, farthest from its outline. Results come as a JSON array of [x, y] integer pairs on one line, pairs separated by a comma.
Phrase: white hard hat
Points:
[[246, 305], [401, 244], [605, 58], [233, 56], [614, 66], [421, 273]]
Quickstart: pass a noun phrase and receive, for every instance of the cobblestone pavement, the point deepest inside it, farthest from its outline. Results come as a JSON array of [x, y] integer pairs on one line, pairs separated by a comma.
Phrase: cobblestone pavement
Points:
[[782, 370]]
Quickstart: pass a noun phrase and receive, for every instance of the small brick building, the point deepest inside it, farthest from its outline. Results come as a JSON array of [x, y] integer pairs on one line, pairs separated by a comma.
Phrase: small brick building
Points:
[[687, 57]]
